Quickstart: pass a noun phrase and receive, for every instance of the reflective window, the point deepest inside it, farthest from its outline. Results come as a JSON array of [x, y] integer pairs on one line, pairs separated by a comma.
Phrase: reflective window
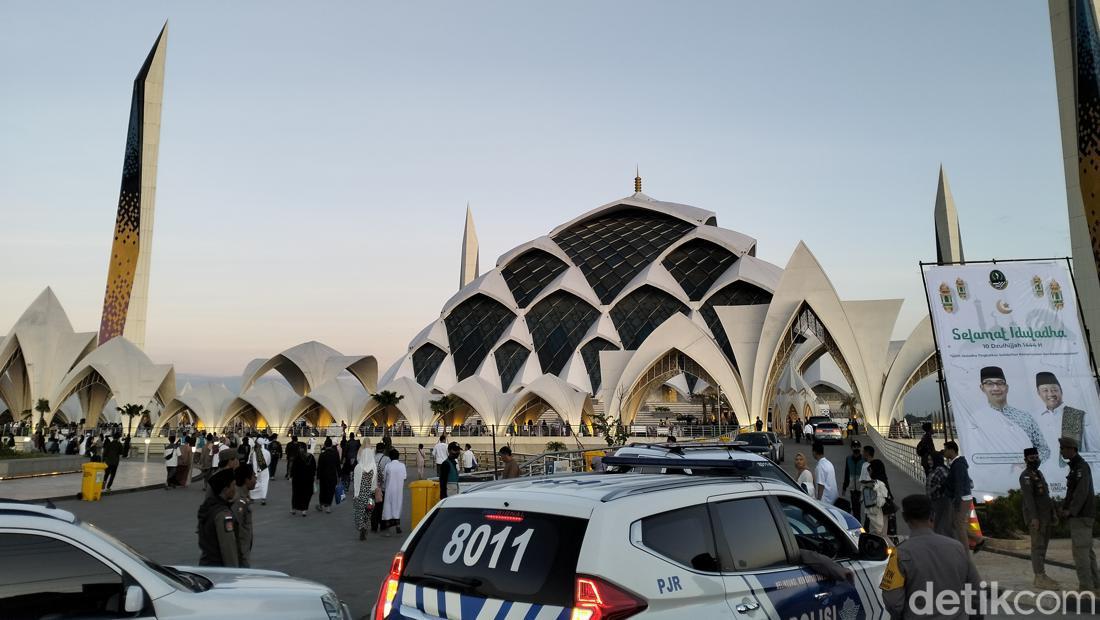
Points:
[[747, 535], [738, 293], [510, 357], [474, 326], [44, 577], [611, 249], [529, 273], [590, 353], [813, 531], [697, 264], [683, 536], [639, 313], [426, 361], [558, 323]]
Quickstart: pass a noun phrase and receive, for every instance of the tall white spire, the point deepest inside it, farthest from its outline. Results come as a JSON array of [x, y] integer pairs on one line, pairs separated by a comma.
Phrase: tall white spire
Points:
[[471, 263], [949, 247]]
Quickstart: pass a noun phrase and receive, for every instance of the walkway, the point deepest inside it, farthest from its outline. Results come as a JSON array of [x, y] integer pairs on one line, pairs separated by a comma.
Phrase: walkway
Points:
[[132, 474]]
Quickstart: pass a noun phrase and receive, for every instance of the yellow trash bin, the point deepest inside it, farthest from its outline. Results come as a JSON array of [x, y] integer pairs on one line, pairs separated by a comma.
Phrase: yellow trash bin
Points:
[[589, 455], [91, 483], [423, 494]]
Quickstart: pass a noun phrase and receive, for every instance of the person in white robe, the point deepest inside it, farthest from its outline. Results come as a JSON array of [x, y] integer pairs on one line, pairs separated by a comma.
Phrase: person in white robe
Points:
[[394, 477], [258, 457]]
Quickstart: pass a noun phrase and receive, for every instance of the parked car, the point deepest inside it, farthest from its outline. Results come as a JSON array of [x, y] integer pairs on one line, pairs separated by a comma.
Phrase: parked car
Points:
[[762, 440], [57, 566], [778, 441], [828, 432]]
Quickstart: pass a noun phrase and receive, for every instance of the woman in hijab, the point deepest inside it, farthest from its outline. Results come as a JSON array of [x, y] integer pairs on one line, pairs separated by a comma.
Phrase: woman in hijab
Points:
[[875, 493], [364, 482], [328, 473], [303, 469], [936, 488], [395, 475]]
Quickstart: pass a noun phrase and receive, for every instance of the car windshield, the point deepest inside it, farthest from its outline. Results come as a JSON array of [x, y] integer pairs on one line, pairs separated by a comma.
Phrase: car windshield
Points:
[[830, 426], [174, 577], [820, 420], [755, 439]]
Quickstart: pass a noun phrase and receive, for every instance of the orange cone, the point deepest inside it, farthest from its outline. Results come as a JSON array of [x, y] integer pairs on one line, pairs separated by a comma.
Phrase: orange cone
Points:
[[974, 527]]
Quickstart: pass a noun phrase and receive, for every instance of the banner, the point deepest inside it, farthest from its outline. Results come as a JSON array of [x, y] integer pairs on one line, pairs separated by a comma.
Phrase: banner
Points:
[[1017, 368]]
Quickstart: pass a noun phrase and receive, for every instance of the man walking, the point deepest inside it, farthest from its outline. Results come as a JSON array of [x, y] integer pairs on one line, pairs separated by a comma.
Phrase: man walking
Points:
[[759, 424], [824, 476], [925, 447], [511, 468], [112, 451], [276, 450], [292, 450], [926, 561], [448, 471], [1079, 509], [959, 488], [1039, 515], [853, 469], [469, 461], [171, 460], [245, 479], [217, 528], [439, 453]]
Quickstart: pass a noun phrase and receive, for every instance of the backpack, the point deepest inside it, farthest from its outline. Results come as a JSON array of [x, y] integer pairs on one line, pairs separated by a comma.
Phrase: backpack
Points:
[[870, 496]]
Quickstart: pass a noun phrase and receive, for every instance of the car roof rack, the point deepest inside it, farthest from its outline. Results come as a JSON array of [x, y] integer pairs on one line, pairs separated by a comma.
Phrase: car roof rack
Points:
[[682, 463], [677, 445]]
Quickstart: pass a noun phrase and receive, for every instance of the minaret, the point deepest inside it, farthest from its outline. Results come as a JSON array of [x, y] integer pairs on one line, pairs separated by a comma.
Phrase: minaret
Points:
[[1075, 37], [470, 262], [949, 247], [126, 300]]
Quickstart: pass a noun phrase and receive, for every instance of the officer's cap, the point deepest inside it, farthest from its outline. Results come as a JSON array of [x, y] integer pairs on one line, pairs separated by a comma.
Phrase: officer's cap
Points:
[[1068, 442], [1031, 452]]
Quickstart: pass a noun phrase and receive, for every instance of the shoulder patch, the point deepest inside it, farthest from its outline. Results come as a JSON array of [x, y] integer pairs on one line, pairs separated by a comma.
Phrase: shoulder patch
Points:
[[892, 579], [228, 522]]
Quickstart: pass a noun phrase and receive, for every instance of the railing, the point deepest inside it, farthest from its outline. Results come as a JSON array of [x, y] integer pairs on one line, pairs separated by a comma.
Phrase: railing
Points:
[[899, 454]]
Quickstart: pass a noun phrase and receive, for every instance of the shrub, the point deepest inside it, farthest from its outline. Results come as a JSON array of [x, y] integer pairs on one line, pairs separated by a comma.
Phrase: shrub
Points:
[[1004, 518], [555, 446]]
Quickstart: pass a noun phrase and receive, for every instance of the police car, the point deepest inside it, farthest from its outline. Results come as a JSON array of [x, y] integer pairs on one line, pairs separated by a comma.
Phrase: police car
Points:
[[57, 566], [724, 452], [611, 546]]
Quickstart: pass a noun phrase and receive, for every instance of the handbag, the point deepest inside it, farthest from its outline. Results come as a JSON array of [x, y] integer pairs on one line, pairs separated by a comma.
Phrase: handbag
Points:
[[341, 493], [889, 507]]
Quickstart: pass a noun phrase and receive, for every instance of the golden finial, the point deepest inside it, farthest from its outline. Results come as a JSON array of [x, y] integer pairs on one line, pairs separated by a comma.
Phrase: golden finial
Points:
[[637, 180]]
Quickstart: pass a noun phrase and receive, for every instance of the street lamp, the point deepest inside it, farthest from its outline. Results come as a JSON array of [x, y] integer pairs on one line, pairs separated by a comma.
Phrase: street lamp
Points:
[[147, 440]]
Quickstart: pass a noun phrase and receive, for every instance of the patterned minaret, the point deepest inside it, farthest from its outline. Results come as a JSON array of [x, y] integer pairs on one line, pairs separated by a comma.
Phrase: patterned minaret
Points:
[[1075, 37], [126, 301], [471, 264], [949, 247]]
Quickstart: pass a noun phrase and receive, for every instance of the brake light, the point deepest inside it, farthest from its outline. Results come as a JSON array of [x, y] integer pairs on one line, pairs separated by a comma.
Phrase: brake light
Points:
[[595, 599], [388, 592], [506, 517]]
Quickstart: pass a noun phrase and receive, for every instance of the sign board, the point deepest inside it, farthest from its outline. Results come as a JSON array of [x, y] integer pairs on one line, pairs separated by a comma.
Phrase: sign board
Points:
[[1017, 367]]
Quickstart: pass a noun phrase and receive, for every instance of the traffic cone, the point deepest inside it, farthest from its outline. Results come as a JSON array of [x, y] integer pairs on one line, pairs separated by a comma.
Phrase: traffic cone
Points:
[[974, 527]]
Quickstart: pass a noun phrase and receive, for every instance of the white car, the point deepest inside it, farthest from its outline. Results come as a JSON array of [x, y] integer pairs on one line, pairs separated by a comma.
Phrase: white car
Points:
[[724, 453], [626, 545], [56, 566]]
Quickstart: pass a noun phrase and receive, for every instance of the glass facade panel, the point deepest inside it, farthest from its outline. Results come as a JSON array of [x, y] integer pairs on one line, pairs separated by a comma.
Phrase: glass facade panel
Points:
[[510, 358], [697, 264], [558, 323], [529, 273], [426, 361], [474, 326], [611, 249], [590, 353], [639, 313], [738, 293]]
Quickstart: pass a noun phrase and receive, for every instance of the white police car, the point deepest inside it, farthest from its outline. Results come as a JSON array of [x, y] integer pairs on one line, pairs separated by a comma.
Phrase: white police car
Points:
[[56, 566], [723, 453], [612, 546]]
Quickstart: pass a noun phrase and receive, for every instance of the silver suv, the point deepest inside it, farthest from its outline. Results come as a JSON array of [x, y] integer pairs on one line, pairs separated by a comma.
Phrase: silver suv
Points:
[[57, 566]]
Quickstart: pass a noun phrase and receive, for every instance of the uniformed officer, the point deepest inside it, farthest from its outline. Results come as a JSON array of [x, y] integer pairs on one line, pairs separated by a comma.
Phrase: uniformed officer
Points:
[[1039, 516], [242, 512], [217, 527], [1079, 509], [926, 561]]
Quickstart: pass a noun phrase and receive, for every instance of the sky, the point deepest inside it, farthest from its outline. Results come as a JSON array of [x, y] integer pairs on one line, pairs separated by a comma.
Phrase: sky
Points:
[[316, 158]]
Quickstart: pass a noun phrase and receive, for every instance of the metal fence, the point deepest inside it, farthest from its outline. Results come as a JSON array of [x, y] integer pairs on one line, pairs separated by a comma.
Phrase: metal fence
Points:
[[899, 454]]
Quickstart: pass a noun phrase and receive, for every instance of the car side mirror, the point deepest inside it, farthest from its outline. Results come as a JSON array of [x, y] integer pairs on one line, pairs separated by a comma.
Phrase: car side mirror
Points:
[[135, 599], [873, 547]]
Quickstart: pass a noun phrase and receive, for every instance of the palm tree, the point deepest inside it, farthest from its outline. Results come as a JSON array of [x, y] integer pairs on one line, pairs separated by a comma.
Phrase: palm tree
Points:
[[442, 406], [132, 411], [42, 407], [385, 400]]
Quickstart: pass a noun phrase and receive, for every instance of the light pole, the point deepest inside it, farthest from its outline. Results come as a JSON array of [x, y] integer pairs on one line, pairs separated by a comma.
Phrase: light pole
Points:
[[147, 440]]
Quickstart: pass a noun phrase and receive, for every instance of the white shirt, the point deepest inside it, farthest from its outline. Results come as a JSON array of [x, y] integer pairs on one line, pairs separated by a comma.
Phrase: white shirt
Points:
[[468, 459], [806, 481], [1050, 424], [808, 429], [993, 433], [825, 475], [171, 456], [439, 451]]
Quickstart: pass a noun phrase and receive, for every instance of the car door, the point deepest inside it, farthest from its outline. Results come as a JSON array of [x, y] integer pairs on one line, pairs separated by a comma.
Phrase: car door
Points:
[[755, 557], [806, 527], [42, 575]]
